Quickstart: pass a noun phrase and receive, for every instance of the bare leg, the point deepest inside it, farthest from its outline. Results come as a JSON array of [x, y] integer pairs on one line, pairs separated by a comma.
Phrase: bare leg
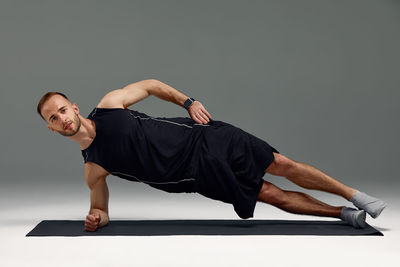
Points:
[[307, 176], [296, 202], [311, 178]]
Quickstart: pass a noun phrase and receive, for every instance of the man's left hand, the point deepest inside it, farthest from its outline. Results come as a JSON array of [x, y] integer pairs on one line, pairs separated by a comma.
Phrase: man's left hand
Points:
[[198, 113]]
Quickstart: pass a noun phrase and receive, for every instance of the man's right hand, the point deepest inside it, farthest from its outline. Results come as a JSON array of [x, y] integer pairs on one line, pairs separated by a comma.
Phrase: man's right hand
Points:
[[92, 222]]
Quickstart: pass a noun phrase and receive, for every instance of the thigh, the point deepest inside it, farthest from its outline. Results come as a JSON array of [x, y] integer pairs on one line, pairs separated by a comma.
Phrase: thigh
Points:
[[281, 165], [270, 193]]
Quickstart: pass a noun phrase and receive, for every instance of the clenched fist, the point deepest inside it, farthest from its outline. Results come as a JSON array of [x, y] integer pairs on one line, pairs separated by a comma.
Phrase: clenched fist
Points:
[[92, 221]]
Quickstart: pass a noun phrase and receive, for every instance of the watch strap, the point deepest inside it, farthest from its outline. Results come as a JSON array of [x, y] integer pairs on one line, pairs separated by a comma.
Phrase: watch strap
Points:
[[188, 102]]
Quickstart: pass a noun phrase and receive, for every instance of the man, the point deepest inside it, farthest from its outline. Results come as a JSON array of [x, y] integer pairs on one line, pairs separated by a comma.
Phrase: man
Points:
[[197, 154]]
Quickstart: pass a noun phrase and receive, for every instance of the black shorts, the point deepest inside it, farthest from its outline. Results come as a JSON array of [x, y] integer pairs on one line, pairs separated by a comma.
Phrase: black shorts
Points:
[[231, 167], [228, 166]]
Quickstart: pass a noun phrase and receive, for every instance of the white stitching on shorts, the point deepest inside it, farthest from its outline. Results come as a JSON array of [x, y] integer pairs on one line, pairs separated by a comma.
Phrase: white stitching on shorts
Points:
[[175, 182]]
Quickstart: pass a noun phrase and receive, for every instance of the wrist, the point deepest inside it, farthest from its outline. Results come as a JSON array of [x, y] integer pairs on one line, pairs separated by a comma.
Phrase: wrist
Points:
[[104, 220], [188, 102]]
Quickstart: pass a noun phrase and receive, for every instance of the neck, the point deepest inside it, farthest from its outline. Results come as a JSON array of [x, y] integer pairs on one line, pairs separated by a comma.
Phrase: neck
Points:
[[86, 133]]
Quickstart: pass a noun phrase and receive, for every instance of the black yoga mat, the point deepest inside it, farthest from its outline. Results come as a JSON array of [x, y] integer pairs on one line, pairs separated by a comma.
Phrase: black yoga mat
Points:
[[200, 227]]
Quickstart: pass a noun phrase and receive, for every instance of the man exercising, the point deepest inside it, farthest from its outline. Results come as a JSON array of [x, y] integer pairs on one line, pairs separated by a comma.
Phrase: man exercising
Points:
[[192, 155]]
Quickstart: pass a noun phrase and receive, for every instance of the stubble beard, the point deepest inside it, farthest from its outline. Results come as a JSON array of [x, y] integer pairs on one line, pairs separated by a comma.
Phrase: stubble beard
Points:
[[77, 121]]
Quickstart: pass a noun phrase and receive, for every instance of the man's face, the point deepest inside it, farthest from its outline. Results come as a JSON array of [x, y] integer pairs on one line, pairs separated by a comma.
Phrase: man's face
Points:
[[61, 116]]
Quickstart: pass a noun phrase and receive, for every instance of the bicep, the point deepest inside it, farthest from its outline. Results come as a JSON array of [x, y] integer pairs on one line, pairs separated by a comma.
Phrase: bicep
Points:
[[128, 95], [134, 92]]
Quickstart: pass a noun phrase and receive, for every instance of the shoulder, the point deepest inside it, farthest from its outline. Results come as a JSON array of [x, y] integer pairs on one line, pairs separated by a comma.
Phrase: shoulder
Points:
[[113, 99], [94, 172]]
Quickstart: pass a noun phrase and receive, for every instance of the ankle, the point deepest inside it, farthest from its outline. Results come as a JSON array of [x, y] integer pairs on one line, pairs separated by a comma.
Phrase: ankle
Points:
[[349, 193]]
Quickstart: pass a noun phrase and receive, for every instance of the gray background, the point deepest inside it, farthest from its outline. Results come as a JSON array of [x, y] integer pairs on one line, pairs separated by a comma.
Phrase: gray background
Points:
[[318, 80]]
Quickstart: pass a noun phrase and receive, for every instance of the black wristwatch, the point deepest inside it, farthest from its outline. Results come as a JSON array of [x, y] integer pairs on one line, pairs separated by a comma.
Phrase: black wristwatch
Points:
[[188, 102]]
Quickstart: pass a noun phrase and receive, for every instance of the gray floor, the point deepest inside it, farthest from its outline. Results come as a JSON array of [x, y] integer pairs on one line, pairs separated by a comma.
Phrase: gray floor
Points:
[[22, 209]]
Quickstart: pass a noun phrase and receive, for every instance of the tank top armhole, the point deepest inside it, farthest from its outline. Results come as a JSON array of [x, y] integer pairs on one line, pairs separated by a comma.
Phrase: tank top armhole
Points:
[[92, 113], [97, 110]]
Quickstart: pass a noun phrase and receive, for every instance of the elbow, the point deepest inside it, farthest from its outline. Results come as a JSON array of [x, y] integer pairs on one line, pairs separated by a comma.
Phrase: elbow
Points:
[[152, 82], [153, 86], [155, 83]]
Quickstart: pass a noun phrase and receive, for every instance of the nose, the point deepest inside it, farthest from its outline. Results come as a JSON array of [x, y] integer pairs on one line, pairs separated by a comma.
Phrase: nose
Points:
[[64, 119]]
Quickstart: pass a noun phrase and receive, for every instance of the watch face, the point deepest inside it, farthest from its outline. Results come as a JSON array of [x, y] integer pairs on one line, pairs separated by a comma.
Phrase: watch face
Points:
[[187, 103]]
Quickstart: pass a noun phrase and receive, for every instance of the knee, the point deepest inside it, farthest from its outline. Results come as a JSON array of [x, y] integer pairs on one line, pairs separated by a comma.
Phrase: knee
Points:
[[281, 165], [271, 194]]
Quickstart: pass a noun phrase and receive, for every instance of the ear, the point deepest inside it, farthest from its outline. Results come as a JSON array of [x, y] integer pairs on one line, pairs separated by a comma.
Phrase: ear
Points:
[[75, 107]]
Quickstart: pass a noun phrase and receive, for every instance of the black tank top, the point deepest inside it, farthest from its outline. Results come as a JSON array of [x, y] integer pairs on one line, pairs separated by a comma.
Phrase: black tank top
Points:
[[137, 147], [217, 159]]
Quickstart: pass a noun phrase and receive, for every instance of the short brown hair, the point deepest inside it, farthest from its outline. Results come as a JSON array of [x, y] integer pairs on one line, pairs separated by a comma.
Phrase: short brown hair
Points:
[[45, 98]]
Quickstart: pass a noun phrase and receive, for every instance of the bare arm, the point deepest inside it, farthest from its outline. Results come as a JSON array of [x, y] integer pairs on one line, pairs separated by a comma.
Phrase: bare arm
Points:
[[168, 93], [163, 91], [99, 196], [138, 91]]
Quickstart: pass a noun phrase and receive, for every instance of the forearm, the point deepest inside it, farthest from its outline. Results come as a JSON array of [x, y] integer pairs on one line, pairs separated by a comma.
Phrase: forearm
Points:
[[103, 215], [168, 93]]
